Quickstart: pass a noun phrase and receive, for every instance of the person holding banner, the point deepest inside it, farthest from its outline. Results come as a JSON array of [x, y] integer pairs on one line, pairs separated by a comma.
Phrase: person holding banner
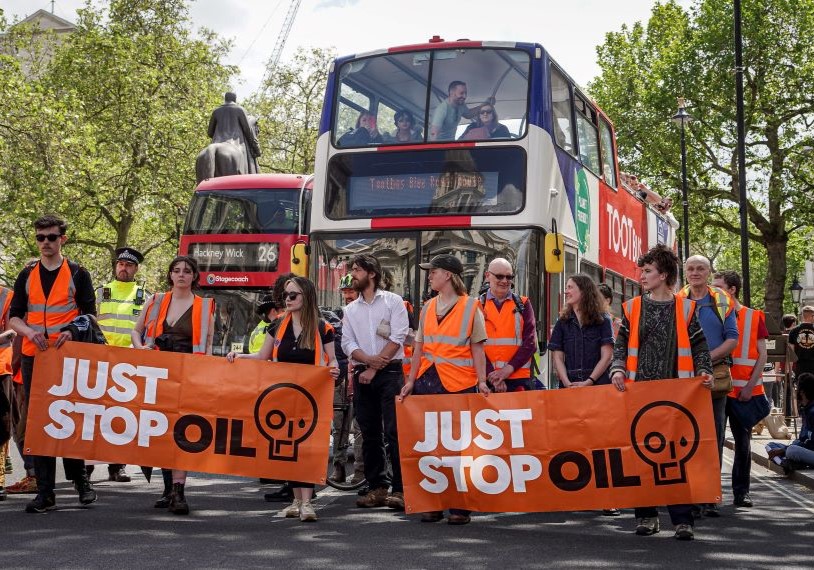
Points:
[[176, 321], [301, 337], [449, 355], [49, 294], [660, 337]]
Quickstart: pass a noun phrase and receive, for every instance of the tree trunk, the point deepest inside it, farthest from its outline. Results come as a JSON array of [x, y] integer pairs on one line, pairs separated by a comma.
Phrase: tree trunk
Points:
[[776, 248]]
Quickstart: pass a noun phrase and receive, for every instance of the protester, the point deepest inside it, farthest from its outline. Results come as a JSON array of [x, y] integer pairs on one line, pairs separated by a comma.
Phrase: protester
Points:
[[177, 321], [747, 373], [449, 356], [374, 328], [48, 295], [660, 337], [301, 337], [715, 311], [118, 304], [19, 417], [511, 331], [6, 386]]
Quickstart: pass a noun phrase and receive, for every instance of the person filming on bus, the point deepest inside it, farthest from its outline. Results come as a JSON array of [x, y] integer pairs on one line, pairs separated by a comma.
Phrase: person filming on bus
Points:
[[366, 132], [448, 113]]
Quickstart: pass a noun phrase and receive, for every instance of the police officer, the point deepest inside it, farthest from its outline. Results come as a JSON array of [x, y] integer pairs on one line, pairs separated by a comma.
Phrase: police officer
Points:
[[118, 305], [269, 310]]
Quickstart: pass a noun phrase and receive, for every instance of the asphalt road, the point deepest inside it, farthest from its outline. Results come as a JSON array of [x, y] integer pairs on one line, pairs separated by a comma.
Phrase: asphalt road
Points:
[[232, 527]]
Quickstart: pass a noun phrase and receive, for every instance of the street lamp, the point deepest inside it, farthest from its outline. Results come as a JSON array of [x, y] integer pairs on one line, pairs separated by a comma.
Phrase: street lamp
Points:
[[796, 291], [681, 118]]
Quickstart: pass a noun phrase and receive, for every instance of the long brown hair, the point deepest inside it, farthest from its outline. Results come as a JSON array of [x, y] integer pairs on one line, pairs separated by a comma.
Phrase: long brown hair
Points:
[[309, 314], [592, 303]]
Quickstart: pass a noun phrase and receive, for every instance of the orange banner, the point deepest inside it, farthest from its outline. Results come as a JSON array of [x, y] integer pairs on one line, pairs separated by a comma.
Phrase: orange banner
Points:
[[182, 411], [577, 449]]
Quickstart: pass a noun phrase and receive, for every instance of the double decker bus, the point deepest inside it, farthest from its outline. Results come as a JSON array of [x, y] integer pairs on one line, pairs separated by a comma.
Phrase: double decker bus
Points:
[[477, 193], [244, 231]]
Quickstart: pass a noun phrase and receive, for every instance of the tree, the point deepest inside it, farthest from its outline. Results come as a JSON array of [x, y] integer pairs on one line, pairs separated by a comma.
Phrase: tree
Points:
[[127, 99], [691, 54], [289, 107]]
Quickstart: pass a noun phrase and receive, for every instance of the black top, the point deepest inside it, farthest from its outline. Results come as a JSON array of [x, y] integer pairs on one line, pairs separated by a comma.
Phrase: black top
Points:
[[802, 337], [180, 333], [85, 293], [290, 352]]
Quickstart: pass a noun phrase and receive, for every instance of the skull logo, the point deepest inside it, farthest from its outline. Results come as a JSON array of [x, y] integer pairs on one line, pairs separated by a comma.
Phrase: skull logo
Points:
[[667, 458], [286, 414]]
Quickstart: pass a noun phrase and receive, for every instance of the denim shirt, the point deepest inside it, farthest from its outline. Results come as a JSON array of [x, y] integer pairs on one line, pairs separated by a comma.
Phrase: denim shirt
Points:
[[582, 347]]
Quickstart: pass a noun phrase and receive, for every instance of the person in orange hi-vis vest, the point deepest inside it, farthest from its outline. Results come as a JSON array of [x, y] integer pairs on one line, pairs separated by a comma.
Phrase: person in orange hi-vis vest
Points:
[[660, 337], [301, 337], [6, 385], [176, 321], [511, 331], [48, 295], [449, 355], [747, 373]]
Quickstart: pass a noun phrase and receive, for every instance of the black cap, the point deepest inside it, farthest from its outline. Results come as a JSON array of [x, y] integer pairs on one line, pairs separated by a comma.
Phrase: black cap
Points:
[[267, 303], [129, 254], [446, 262]]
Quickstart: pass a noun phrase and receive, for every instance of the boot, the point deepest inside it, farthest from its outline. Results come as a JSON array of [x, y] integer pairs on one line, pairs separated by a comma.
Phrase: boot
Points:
[[164, 501], [339, 473], [86, 494], [178, 503]]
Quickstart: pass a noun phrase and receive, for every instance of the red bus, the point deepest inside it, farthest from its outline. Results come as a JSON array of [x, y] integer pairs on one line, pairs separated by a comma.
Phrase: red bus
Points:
[[244, 231]]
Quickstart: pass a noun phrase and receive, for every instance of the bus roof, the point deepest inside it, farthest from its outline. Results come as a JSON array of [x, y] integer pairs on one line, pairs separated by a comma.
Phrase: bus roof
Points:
[[247, 181]]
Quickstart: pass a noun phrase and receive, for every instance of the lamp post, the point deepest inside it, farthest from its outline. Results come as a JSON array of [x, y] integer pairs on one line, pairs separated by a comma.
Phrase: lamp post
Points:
[[796, 292], [681, 118]]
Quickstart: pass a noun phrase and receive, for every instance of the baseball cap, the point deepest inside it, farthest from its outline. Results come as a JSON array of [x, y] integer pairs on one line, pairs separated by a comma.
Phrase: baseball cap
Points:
[[445, 261]]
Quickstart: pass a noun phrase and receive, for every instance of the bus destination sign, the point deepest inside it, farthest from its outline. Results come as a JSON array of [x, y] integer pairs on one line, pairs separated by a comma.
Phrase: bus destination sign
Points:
[[236, 256]]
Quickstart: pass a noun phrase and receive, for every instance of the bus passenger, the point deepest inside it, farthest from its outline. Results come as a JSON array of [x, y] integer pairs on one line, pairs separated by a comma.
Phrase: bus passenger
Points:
[[176, 321], [485, 126], [582, 339], [302, 337], [448, 113], [658, 330], [607, 293], [406, 130], [365, 132], [439, 367], [510, 326]]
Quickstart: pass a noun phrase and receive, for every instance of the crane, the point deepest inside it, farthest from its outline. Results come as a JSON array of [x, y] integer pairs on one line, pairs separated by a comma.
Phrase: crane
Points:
[[281, 39]]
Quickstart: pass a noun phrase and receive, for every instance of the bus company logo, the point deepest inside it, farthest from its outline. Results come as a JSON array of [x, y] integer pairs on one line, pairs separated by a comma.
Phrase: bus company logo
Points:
[[667, 456], [286, 415], [212, 278]]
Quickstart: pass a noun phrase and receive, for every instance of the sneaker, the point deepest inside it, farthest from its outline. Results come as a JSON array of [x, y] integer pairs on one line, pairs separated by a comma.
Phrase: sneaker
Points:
[[118, 474], [395, 501], [307, 512], [292, 511], [684, 532], [86, 494], [743, 501], [41, 504], [646, 526], [24, 486], [711, 510], [375, 498], [281, 495]]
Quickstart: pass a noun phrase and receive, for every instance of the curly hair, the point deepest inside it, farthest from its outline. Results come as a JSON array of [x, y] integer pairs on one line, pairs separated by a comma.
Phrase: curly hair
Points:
[[665, 260], [592, 305]]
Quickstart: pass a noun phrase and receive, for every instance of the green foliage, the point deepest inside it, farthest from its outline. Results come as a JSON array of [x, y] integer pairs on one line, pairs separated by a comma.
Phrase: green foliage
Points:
[[691, 54], [106, 132]]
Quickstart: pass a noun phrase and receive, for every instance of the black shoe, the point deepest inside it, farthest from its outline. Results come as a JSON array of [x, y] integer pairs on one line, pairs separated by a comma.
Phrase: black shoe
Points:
[[86, 494], [743, 501], [364, 490], [118, 474], [711, 510], [164, 501], [284, 494], [41, 504], [696, 511], [178, 503], [89, 470]]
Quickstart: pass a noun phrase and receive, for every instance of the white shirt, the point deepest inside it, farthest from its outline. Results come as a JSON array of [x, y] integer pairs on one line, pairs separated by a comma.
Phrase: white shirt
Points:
[[362, 319]]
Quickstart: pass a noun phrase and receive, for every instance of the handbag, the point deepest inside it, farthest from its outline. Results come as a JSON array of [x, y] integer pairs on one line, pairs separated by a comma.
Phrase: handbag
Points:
[[721, 380], [750, 412]]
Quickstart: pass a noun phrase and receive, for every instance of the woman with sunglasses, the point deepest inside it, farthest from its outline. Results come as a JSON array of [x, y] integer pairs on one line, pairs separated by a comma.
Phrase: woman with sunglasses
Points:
[[486, 126], [302, 337], [405, 129], [176, 321]]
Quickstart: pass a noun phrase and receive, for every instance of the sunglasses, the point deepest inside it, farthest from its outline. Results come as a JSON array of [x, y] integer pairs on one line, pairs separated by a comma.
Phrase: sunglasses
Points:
[[291, 295], [49, 237], [487, 112], [500, 277]]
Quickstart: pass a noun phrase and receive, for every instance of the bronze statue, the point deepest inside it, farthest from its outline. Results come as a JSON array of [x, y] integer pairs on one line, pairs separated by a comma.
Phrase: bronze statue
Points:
[[234, 148]]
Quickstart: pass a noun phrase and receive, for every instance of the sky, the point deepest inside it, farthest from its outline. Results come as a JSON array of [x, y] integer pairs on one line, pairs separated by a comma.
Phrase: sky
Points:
[[569, 30]]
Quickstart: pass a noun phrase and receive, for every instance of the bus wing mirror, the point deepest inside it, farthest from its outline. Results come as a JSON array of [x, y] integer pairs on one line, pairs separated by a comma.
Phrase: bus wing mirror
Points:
[[554, 258], [299, 259]]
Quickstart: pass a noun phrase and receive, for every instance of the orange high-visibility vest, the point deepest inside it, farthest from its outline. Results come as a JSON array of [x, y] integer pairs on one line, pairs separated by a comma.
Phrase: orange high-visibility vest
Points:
[[320, 356], [684, 311], [745, 355], [447, 346], [49, 315], [202, 310], [504, 331], [5, 344]]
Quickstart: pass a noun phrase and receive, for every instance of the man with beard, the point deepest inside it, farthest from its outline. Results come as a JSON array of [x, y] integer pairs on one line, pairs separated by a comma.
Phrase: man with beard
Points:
[[448, 113], [373, 331]]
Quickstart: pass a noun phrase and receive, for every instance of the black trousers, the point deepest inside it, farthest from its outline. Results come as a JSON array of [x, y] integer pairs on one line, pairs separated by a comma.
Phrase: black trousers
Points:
[[375, 406], [45, 468], [679, 514], [742, 464]]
